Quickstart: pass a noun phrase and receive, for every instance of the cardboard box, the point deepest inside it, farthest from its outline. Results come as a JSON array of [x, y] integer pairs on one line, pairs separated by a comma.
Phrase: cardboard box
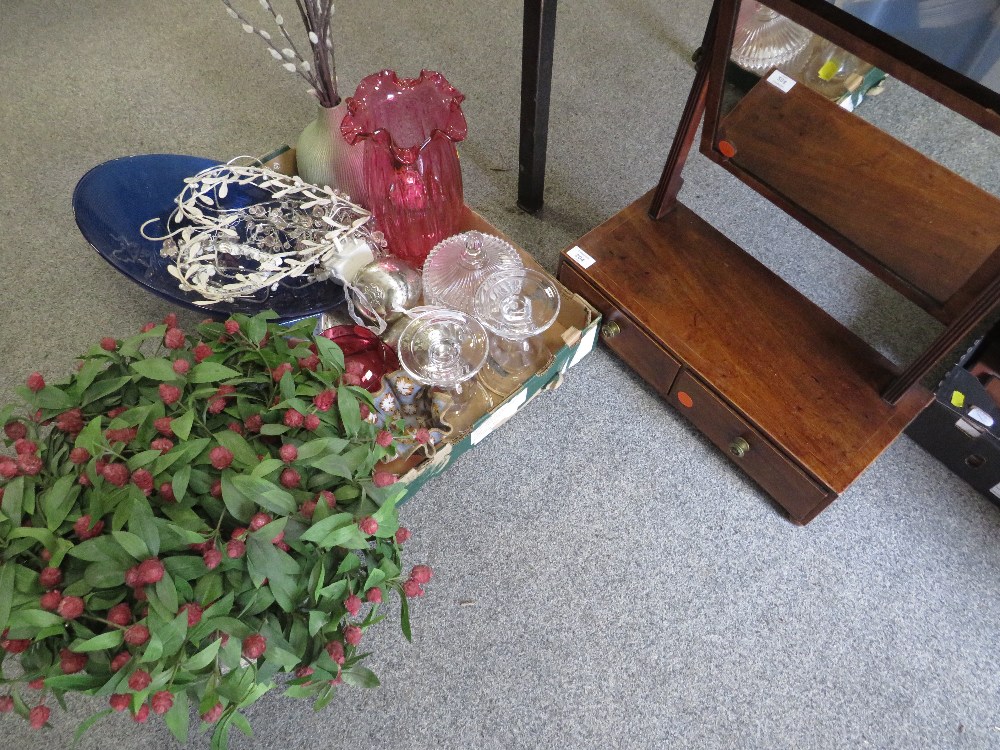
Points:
[[570, 339], [961, 427]]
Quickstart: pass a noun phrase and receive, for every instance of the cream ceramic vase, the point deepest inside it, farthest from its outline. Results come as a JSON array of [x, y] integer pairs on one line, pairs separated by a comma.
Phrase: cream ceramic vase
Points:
[[323, 157]]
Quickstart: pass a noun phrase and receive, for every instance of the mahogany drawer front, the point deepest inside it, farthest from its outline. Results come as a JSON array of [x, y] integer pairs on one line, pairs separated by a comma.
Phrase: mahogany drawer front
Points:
[[620, 333], [777, 474]]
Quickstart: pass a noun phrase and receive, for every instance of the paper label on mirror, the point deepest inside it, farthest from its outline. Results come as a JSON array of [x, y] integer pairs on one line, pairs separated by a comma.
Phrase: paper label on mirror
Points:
[[581, 256], [781, 81]]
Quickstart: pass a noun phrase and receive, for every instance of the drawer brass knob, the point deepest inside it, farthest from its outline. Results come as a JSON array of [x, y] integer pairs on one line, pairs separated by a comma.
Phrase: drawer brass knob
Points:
[[739, 447], [610, 329]]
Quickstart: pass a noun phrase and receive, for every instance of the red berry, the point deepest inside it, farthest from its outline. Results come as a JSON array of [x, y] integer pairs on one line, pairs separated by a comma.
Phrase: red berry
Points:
[[25, 446], [329, 498], [235, 549], [108, 344], [213, 714], [85, 531], [216, 405], [353, 605], [151, 570], [181, 366], [71, 663], [402, 535], [411, 589], [29, 464], [163, 426], [169, 394], [350, 378], [421, 574], [324, 400], [293, 418], [70, 421], [290, 478], [232, 327], [422, 435], [142, 714], [139, 680], [147, 327], [120, 701], [311, 422], [240, 532], [38, 716], [278, 372], [235, 427], [161, 444], [384, 438], [137, 635], [170, 320], [132, 578], [37, 684], [70, 607], [120, 660], [173, 338], [374, 596], [288, 453], [6, 704], [383, 478], [117, 474], [194, 613], [336, 651], [221, 457], [35, 382], [50, 600], [8, 467], [167, 493], [120, 614], [259, 521], [216, 489], [202, 352], [162, 701], [253, 423], [365, 411], [15, 645], [79, 455], [308, 508], [212, 558], [368, 525], [352, 635], [254, 646], [50, 577], [15, 431], [142, 479]]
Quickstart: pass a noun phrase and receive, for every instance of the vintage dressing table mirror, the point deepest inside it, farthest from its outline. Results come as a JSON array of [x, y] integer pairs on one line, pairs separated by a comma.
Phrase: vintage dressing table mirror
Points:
[[795, 399]]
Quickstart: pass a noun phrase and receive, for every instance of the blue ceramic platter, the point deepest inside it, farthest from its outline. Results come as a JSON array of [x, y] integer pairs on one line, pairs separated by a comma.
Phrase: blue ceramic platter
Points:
[[113, 200]]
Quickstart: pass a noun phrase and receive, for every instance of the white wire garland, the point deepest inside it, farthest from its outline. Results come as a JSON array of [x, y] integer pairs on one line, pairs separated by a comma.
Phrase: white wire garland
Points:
[[298, 232]]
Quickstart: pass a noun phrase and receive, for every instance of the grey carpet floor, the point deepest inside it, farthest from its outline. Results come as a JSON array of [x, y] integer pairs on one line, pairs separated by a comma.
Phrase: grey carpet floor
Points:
[[604, 578]]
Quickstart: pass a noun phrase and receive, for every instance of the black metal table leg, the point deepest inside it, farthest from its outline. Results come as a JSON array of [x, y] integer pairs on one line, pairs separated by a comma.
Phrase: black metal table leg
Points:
[[536, 87]]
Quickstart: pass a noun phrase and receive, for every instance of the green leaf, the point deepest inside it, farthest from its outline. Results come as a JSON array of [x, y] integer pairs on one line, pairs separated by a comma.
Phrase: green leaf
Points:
[[132, 544], [321, 529], [141, 524], [324, 699], [111, 639], [203, 658], [57, 501], [350, 411], [91, 438], [317, 619], [155, 368], [182, 425], [238, 504], [104, 575], [102, 388], [267, 466], [360, 677], [177, 717], [7, 571], [404, 618], [319, 446], [100, 549], [349, 537], [33, 618], [145, 458], [242, 452], [349, 563], [256, 330], [53, 398], [266, 494], [13, 499], [335, 590], [287, 386], [167, 592], [274, 429], [180, 480], [78, 682], [173, 634], [239, 720], [211, 372], [375, 578], [44, 536], [331, 354], [89, 722]]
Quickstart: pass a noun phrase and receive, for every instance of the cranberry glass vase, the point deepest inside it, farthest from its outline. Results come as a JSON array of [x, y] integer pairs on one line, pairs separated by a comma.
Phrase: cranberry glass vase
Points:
[[413, 181]]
